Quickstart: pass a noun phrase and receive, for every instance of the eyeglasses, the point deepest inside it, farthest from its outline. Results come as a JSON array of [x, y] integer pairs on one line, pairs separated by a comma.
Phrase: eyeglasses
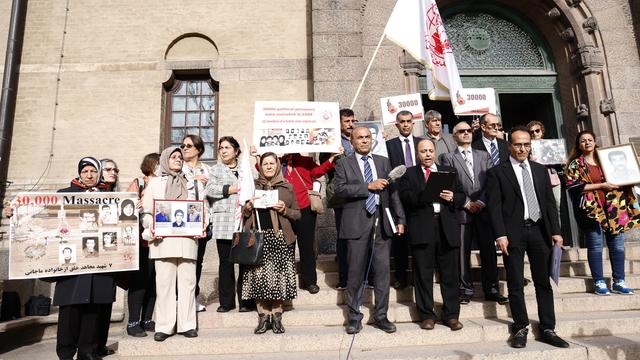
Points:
[[188, 146], [115, 170], [464, 131], [492, 126], [522, 146]]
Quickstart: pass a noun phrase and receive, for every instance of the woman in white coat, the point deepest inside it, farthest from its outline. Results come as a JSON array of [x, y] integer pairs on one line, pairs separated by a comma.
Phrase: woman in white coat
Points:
[[174, 258]]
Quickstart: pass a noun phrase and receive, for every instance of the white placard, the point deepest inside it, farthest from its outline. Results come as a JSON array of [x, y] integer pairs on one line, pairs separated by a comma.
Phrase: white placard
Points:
[[296, 126], [475, 101], [391, 106], [264, 199]]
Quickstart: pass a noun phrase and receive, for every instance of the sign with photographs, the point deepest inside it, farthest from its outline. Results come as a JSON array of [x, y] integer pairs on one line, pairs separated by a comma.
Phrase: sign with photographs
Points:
[[378, 145], [296, 126], [549, 151], [391, 106], [475, 101], [264, 199], [178, 218], [59, 234], [619, 164]]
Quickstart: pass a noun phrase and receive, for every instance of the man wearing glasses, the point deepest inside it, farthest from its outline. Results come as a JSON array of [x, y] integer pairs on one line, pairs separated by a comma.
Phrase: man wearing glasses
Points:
[[489, 142], [472, 165]]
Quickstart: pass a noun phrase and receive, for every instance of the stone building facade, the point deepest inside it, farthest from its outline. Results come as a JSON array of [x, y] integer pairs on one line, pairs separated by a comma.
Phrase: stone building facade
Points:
[[96, 77]]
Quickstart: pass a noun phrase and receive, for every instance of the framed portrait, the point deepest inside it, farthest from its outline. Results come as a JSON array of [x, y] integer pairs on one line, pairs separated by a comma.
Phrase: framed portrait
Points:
[[619, 164], [178, 218], [549, 151]]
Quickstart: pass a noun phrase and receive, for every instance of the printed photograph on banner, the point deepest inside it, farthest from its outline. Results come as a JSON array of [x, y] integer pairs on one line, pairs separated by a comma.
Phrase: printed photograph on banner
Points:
[[619, 164], [178, 218], [391, 106], [296, 126], [58, 234], [475, 101], [549, 151], [378, 145], [264, 199]]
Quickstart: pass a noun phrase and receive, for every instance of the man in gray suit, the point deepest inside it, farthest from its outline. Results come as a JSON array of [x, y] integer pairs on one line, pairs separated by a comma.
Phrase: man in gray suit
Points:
[[472, 165], [361, 180], [444, 142]]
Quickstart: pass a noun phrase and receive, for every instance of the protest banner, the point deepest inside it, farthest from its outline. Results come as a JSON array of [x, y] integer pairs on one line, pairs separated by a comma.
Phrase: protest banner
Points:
[[178, 218], [475, 101], [391, 106], [59, 234], [296, 126]]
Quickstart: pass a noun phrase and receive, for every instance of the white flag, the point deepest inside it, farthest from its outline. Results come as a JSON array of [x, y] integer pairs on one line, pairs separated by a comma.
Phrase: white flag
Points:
[[246, 186], [416, 26]]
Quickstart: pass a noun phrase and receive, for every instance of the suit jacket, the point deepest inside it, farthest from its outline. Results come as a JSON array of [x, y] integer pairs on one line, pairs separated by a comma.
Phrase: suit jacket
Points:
[[395, 148], [445, 144], [350, 186], [175, 247], [503, 148], [506, 205], [473, 189], [420, 220]]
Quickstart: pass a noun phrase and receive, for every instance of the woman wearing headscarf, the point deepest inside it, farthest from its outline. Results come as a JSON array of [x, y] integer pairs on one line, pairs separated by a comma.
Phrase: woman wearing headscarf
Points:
[[83, 300], [273, 282], [174, 258]]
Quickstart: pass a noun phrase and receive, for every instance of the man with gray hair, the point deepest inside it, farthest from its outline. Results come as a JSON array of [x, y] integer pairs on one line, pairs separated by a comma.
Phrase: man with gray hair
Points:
[[444, 142]]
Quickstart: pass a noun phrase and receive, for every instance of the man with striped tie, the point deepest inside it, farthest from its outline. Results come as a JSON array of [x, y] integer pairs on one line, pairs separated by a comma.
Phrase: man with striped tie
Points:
[[361, 180], [498, 149]]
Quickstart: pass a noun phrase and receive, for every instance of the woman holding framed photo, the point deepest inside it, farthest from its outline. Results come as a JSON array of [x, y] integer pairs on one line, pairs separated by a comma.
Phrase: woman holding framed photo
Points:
[[603, 212]]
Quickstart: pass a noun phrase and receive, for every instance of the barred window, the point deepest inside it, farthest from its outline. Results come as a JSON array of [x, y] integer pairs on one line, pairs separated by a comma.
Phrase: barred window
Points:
[[191, 108]]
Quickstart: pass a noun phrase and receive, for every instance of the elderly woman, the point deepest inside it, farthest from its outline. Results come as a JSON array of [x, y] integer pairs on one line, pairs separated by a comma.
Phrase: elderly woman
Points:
[[142, 290], [273, 282], [110, 174], [223, 189], [603, 211], [174, 258], [197, 174]]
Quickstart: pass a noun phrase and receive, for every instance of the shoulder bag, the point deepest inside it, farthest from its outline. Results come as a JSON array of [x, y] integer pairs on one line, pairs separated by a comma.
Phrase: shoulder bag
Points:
[[315, 200], [247, 246]]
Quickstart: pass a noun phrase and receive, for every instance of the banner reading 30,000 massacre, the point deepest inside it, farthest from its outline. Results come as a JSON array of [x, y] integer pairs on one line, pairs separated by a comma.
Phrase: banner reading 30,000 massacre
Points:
[[58, 234]]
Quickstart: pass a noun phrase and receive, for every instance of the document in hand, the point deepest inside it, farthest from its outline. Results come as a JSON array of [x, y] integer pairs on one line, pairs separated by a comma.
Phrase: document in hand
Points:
[[438, 181], [554, 265]]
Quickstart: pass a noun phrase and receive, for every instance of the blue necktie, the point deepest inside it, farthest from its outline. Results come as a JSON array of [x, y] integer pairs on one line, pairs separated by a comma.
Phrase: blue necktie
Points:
[[495, 157], [370, 204]]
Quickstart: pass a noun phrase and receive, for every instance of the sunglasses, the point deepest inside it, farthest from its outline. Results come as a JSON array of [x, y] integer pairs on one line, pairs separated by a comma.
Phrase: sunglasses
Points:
[[464, 131], [536, 131], [115, 170], [187, 146]]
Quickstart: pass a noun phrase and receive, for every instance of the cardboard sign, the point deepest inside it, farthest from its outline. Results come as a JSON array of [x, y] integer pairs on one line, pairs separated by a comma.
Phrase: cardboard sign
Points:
[[475, 101], [391, 106]]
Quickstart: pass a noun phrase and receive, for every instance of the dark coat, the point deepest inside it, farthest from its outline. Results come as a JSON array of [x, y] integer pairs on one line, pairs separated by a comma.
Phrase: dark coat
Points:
[[506, 205], [86, 288], [503, 148], [420, 220], [396, 152]]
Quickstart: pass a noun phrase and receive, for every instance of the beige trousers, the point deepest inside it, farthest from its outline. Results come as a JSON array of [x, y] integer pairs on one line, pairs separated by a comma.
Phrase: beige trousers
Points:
[[168, 271]]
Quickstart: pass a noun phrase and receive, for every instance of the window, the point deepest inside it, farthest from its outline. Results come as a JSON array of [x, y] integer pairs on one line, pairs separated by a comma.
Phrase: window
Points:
[[191, 107]]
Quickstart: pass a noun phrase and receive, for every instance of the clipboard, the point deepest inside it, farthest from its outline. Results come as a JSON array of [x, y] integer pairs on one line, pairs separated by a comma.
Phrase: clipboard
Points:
[[438, 181]]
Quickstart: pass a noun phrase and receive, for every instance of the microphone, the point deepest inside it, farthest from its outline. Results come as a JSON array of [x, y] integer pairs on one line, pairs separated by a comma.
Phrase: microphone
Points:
[[396, 173]]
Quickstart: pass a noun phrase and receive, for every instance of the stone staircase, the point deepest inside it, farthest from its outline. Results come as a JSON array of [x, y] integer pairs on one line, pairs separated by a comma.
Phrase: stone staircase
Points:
[[597, 327]]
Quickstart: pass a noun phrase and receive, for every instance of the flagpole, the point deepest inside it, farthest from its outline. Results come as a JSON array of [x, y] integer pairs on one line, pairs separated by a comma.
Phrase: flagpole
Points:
[[367, 71]]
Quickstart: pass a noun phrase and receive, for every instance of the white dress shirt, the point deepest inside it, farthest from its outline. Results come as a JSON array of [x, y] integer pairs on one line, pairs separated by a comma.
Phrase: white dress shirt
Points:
[[518, 170], [374, 173], [433, 168], [404, 147], [487, 144]]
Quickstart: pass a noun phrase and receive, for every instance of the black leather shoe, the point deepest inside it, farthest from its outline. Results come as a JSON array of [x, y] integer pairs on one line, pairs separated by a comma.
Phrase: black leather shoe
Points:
[[136, 331], [354, 327], [502, 300], [89, 356], [519, 339], [104, 351], [264, 324], [223, 309], [190, 333], [312, 289], [465, 299], [160, 336], [276, 323], [399, 285], [149, 325], [550, 337], [385, 325]]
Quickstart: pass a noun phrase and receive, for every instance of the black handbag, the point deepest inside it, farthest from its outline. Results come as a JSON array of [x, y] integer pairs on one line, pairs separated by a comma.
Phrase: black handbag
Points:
[[247, 247]]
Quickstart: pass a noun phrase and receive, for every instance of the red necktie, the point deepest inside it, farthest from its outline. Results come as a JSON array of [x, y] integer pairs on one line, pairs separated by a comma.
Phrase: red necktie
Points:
[[427, 171]]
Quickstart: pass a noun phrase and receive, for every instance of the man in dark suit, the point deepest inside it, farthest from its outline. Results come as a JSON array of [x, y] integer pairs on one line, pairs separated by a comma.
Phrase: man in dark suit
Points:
[[472, 166], [434, 236], [402, 151], [525, 220], [498, 149], [361, 182]]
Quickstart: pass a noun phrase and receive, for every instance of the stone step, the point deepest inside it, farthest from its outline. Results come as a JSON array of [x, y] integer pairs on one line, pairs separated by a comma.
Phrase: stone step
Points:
[[402, 312], [306, 339]]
